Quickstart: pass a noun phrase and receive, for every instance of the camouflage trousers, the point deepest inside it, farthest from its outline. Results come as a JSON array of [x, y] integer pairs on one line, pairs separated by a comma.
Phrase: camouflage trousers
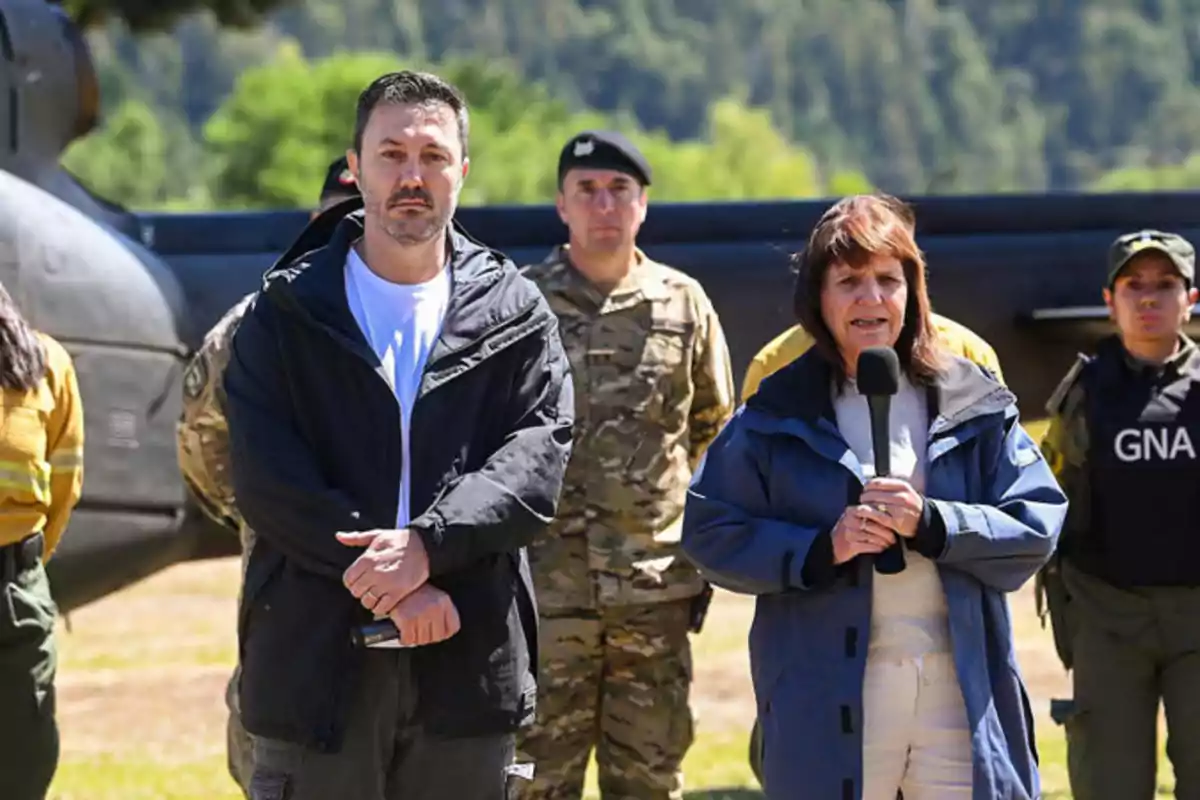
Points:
[[618, 680]]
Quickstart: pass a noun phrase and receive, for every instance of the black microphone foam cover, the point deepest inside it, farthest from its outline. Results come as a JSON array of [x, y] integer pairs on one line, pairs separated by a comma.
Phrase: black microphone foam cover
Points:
[[878, 371]]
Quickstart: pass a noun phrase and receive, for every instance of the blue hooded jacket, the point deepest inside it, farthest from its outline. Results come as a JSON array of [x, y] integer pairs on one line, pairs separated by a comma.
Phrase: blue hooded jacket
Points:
[[768, 493]]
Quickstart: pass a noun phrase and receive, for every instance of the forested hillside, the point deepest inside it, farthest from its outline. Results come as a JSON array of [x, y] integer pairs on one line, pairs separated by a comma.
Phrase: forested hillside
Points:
[[918, 95]]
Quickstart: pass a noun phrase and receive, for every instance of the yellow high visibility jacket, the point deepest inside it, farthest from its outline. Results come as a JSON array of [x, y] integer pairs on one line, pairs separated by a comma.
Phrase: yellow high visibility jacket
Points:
[[41, 453], [795, 341]]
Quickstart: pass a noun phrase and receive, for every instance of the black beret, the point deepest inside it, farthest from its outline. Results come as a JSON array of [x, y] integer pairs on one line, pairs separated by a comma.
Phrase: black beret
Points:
[[603, 150], [339, 179]]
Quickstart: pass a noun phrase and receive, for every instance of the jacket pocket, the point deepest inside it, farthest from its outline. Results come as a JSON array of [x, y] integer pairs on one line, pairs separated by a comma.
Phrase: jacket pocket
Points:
[[476, 682], [664, 363], [24, 467], [263, 566], [297, 656]]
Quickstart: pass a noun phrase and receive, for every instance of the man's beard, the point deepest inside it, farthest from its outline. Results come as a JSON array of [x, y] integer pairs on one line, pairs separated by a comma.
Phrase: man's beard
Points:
[[428, 223]]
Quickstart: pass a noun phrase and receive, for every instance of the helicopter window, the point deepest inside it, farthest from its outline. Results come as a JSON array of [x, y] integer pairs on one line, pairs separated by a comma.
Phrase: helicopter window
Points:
[[87, 84]]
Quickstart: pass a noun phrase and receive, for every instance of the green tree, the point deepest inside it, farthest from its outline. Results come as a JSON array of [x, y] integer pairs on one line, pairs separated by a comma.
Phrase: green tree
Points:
[[274, 136], [128, 160], [743, 157], [920, 95], [1185, 175], [156, 14]]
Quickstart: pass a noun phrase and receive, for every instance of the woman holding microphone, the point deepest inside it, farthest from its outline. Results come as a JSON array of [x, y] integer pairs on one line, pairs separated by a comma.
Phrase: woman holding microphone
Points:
[[868, 683]]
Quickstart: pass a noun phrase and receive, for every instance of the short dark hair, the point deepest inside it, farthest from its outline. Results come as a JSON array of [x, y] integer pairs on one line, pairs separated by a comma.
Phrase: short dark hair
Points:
[[411, 88], [852, 231]]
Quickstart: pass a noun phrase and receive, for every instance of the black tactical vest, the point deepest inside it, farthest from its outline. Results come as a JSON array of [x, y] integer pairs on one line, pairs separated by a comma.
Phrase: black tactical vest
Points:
[[1144, 468]]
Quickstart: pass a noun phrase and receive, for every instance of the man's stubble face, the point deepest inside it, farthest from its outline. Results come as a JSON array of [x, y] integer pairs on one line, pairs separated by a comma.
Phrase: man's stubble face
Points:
[[411, 170]]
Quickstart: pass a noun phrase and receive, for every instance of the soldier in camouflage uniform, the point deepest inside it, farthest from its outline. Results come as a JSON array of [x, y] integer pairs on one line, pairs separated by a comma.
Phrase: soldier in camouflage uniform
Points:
[[1123, 590], [616, 597], [202, 440]]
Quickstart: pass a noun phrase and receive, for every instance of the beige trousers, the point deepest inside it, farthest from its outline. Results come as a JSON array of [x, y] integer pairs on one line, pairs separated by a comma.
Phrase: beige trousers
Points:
[[916, 737]]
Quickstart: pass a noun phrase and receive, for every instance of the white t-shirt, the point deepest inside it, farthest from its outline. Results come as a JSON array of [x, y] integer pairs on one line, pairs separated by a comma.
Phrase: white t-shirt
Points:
[[909, 616], [401, 322]]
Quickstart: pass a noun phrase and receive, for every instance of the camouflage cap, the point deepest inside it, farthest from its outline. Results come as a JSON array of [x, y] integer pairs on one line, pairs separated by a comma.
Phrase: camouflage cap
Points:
[[1172, 245]]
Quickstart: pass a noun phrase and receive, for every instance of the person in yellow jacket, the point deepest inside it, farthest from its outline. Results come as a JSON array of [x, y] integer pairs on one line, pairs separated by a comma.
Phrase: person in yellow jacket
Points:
[[795, 341], [41, 479]]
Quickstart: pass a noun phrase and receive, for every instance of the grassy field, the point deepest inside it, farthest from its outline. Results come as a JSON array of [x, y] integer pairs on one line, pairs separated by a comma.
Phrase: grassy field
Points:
[[143, 671], [142, 676]]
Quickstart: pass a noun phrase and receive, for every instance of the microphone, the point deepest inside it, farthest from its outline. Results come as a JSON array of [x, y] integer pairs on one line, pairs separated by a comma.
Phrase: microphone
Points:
[[878, 380]]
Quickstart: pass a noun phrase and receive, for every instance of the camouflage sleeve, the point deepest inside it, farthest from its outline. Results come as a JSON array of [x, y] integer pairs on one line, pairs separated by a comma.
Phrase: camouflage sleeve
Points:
[[712, 378], [203, 434], [1065, 447]]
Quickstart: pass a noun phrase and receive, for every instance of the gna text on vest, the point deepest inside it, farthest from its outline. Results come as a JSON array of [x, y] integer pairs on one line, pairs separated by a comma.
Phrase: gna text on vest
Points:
[[1153, 444]]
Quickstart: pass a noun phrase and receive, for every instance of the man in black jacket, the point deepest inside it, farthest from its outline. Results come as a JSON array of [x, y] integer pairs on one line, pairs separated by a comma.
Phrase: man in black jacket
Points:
[[385, 338]]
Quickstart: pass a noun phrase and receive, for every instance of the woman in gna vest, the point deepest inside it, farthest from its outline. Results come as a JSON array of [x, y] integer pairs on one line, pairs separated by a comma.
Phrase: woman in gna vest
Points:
[[1125, 583], [869, 683], [41, 478]]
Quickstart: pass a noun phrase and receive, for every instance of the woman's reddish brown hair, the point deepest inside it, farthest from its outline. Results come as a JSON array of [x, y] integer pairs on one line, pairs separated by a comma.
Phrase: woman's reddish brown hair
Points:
[[851, 232]]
